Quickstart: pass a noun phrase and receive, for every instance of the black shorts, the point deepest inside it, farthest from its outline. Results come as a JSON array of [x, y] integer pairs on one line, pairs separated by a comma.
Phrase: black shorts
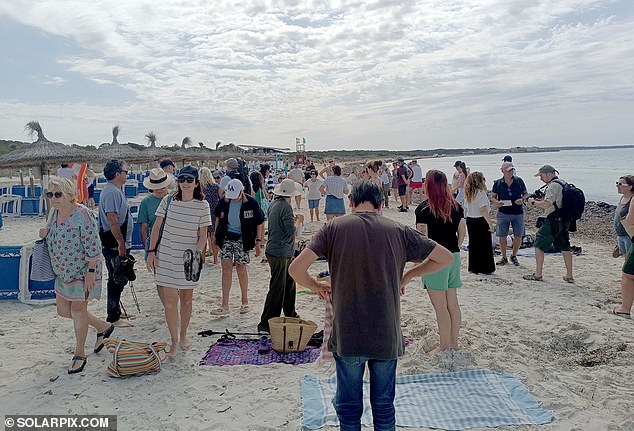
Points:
[[402, 190]]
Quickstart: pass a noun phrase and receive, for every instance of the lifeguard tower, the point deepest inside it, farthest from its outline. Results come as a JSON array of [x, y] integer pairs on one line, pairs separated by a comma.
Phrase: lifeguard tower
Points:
[[300, 150]]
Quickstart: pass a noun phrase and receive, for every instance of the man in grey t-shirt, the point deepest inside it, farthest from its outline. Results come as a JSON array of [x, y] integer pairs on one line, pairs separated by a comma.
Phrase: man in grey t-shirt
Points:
[[367, 282], [116, 231]]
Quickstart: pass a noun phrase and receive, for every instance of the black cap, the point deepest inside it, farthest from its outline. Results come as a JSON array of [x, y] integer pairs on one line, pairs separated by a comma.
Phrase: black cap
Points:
[[455, 165], [507, 159], [188, 171], [166, 162]]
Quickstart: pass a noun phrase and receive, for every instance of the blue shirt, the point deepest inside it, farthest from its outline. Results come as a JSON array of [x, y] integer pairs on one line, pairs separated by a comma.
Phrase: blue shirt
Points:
[[510, 193], [234, 217]]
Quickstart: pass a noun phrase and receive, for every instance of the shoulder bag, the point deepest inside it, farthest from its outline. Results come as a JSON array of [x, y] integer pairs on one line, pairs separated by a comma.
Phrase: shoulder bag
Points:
[[41, 267]]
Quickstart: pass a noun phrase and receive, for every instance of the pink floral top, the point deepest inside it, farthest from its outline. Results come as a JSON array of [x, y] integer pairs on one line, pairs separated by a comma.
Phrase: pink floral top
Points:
[[73, 244]]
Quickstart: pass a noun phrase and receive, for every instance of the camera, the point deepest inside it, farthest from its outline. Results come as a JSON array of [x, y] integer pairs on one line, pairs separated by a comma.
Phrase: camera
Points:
[[537, 194]]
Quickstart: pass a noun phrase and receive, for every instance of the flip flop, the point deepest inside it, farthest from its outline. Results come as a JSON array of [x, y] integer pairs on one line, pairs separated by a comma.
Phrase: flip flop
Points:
[[568, 279], [196, 266], [622, 314], [245, 308], [81, 368], [105, 334], [188, 257], [220, 312], [533, 277]]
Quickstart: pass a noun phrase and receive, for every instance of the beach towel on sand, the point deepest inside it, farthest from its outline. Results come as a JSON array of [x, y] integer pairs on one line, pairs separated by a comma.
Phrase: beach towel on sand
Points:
[[450, 401], [254, 352]]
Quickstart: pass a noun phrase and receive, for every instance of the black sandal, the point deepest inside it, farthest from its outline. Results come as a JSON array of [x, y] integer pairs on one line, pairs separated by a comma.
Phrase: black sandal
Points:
[[80, 369], [105, 334]]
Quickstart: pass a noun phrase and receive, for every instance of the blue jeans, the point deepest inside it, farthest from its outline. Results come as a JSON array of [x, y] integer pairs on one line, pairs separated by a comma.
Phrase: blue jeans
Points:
[[349, 398]]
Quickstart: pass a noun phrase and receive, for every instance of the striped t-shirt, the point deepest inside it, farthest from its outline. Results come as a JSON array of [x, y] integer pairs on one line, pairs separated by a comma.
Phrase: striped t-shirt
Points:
[[335, 186], [179, 234]]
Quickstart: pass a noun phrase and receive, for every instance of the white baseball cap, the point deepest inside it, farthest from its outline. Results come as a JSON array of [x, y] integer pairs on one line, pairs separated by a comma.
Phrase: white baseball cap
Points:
[[233, 189]]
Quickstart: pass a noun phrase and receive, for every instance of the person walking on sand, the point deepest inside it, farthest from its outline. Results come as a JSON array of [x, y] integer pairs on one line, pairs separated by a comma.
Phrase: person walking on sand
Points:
[[335, 188], [366, 284], [239, 229], [280, 249], [441, 218], [176, 259], [477, 212], [314, 194], [627, 274], [158, 183], [115, 232], [75, 251], [296, 174], [625, 186], [401, 183], [508, 195], [552, 229]]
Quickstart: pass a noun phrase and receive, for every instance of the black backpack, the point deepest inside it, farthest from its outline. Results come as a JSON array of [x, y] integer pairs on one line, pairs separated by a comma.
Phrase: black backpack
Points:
[[573, 201]]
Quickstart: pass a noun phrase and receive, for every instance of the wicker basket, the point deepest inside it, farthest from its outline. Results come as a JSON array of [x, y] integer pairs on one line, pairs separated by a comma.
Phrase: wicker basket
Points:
[[290, 334]]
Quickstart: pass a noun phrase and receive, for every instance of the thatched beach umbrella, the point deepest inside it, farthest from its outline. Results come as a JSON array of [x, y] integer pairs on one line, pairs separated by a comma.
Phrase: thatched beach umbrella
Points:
[[43, 152], [118, 151], [187, 153]]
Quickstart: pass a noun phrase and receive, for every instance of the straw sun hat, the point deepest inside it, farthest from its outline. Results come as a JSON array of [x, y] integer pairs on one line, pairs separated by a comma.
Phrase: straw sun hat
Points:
[[287, 188], [158, 179]]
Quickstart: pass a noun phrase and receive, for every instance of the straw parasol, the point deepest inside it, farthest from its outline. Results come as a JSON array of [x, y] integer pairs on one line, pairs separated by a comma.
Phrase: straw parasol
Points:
[[43, 152], [118, 151], [188, 153]]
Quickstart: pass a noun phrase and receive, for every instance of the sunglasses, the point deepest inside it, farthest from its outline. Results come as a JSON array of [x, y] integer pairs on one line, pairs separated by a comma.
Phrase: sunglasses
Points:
[[621, 184], [217, 178], [56, 194], [124, 172], [188, 180]]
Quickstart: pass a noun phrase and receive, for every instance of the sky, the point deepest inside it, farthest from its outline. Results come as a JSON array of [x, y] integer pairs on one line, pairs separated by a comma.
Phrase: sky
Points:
[[371, 74]]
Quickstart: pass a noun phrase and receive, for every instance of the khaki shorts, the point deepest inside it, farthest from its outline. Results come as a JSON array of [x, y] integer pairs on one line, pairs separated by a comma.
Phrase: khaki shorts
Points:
[[554, 232]]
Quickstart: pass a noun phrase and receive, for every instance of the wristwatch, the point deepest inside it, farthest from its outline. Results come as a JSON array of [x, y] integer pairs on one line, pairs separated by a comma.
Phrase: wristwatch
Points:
[[92, 270]]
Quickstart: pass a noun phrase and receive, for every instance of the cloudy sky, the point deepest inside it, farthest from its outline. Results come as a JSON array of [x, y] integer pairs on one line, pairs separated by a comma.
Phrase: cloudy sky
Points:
[[375, 74]]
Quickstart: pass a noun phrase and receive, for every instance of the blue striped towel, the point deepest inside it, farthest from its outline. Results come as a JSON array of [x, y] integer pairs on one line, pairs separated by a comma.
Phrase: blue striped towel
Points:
[[451, 401]]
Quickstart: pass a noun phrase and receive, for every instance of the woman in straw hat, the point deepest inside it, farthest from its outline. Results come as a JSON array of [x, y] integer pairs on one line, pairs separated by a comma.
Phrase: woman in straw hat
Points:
[[280, 249], [158, 183], [75, 249]]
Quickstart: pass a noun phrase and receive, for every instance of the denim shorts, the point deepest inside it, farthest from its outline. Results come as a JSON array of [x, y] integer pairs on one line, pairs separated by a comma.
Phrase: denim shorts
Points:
[[505, 220], [313, 203], [625, 243], [334, 205]]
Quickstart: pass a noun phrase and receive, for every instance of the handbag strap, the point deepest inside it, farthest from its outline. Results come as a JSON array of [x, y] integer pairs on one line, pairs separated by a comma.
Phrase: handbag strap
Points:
[[115, 356], [167, 207]]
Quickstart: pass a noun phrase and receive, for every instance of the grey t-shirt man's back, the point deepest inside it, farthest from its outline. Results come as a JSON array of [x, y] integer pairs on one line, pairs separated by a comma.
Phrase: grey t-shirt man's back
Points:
[[281, 242], [366, 256]]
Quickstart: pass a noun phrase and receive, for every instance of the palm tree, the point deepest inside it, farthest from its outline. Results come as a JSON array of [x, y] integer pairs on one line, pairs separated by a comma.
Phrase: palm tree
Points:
[[33, 128], [115, 133], [151, 138], [186, 142]]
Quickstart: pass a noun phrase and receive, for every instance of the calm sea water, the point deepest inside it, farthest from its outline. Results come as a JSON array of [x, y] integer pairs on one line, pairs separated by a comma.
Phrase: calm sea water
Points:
[[593, 171]]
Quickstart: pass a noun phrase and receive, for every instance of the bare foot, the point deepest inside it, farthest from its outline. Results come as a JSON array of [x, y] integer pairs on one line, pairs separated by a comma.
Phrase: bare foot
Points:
[[173, 351], [122, 324], [185, 344], [436, 351]]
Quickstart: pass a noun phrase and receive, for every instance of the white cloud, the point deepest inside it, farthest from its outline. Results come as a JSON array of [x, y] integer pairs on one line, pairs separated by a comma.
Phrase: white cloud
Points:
[[352, 75]]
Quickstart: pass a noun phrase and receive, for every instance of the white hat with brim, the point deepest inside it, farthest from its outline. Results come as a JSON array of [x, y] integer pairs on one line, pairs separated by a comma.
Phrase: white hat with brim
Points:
[[287, 188], [157, 179]]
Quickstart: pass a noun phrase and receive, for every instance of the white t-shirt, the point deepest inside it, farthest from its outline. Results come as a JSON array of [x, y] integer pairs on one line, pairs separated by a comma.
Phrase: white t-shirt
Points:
[[67, 173], [313, 189], [418, 173], [296, 175], [472, 209]]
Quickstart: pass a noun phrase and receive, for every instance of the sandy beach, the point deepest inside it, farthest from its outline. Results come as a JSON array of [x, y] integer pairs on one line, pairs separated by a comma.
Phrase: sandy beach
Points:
[[555, 337]]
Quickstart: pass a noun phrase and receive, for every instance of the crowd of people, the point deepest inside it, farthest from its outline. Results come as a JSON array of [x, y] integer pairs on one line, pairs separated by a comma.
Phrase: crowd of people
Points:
[[193, 214]]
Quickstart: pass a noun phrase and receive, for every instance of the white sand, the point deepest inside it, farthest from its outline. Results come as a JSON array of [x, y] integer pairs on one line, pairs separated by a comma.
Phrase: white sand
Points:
[[537, 332]]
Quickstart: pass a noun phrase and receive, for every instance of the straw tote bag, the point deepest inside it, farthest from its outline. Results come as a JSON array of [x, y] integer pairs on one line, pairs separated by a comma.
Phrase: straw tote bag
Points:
[[41, 268]]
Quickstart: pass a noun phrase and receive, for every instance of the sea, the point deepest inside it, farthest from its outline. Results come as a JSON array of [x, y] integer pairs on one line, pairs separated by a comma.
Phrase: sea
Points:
[[595, 171]]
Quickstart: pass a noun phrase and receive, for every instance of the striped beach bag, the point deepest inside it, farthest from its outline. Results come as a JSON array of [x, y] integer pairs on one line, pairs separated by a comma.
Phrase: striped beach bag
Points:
[[130, 359]]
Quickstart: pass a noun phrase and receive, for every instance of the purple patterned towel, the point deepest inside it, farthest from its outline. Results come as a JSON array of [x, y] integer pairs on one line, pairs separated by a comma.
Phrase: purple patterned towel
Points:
[[245, 352]]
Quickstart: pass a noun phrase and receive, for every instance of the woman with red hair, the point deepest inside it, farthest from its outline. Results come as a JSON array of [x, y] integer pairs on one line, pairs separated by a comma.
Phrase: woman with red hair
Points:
[[441, 218]]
